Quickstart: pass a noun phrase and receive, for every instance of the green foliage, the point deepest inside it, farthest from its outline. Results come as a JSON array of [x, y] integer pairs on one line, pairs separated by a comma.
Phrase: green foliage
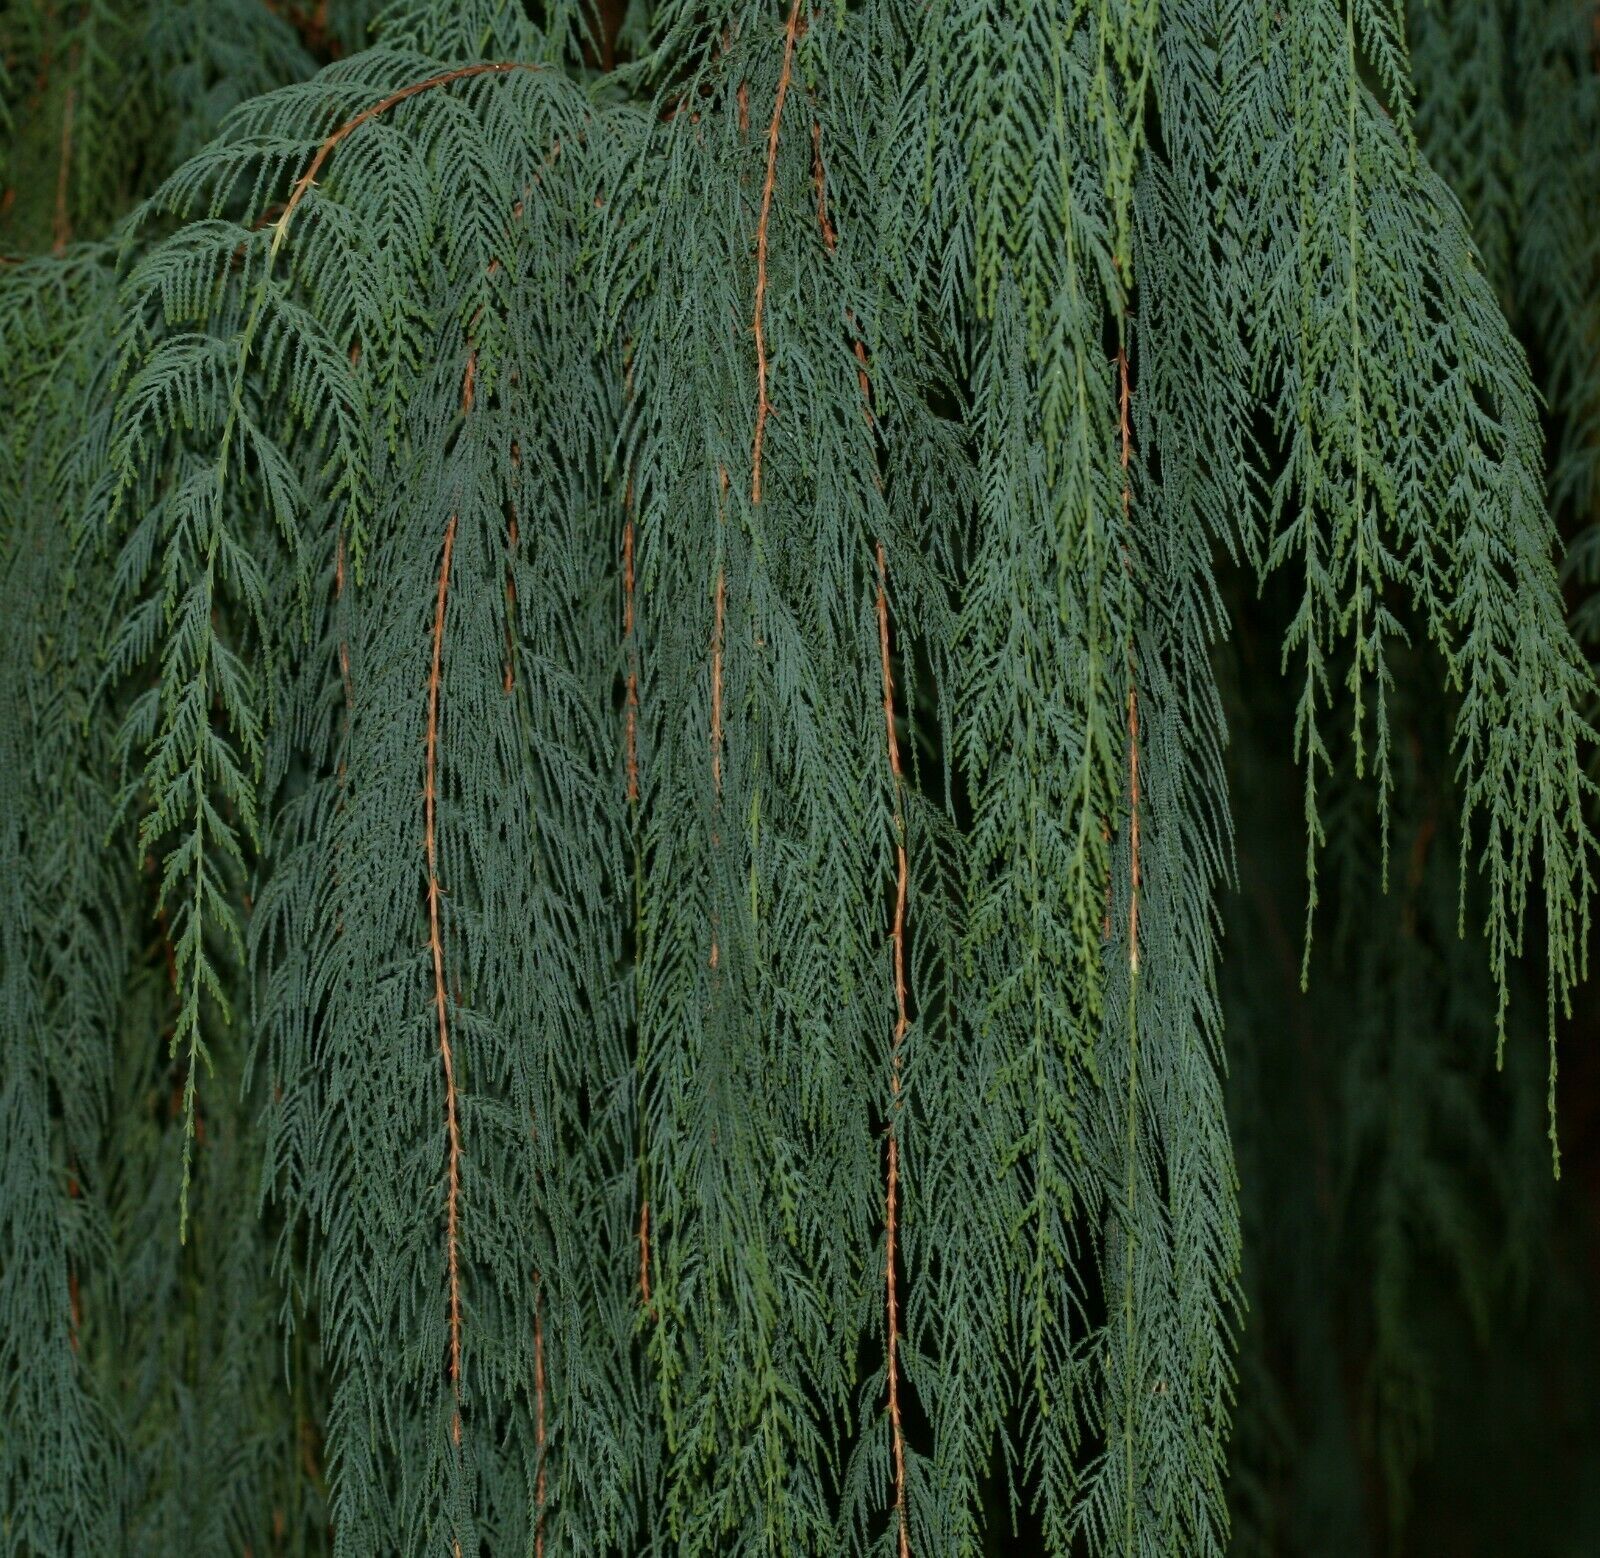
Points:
[[1392, 1282], [644, 639], [1509, 99]]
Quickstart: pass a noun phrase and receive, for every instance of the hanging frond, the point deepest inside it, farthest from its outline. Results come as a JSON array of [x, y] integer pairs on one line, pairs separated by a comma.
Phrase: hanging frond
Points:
[[616, 766]]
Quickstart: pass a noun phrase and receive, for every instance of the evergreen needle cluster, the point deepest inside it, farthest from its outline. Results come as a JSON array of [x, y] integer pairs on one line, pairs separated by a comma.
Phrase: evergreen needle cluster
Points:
[[616, 802]]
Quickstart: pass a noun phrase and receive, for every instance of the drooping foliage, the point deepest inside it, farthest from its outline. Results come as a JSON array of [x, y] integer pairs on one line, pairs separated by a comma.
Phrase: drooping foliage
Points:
[[612, 907], [1405, 1307]]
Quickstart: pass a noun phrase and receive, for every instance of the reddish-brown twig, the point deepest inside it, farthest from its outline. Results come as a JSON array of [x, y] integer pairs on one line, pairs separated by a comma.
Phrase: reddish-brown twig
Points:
[[1134, 882], [830, 241], [901, 1023], [344, 646], [632, 713], [436, 942], [513, 536], [721, 603], [631, 701], [538, 1420], [350, 126], [898, 932], [74, 1307], [1134, 873], [763, 405], [716, 710], [830, 238], [1124, 398]]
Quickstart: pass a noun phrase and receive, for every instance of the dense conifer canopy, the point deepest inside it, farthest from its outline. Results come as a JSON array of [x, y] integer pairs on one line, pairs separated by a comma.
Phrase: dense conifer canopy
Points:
[[618, 803]]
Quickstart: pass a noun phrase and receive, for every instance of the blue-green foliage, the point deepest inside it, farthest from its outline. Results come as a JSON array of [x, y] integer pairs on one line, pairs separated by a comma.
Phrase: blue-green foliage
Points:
[[646, 638]]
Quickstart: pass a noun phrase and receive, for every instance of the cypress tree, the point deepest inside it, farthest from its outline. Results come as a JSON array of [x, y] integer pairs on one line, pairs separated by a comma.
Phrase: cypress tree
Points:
[[619, 799]]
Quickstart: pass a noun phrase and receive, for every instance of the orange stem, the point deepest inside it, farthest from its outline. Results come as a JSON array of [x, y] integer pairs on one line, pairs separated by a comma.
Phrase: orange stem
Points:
[[633, 800], [350, 126], [632, 707], [633, 655], [1124, 398], [901, 1023], [830, 241], [830, 238], [344, 647], [1134, 871], [538, 1420], [763, 405], [898, 934], [716, 710], [512, 539], [436, 942], [716, 679]]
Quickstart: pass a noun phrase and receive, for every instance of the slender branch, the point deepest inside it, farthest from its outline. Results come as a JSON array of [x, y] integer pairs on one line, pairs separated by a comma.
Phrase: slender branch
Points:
[[538, 1420], [348, 683], [716, 678], [632, 697], [1135, 874], [632, 715], [791, 31], [74, 1302], [74, 1306], [436, 942], [644, 1252], [1125, 397], [192, 962], [901, 1023], [819, 174], [830, 241], [513, 537], [898, 933], [344, 645], [716, 710], [1134, 883], [350, 126]]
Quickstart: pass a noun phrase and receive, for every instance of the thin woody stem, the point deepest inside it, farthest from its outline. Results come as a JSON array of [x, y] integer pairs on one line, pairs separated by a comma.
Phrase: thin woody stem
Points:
[[344, 645], [901, 1023], [763, 405], [719, 612], [819, 173], [1125, 396], [632, 697], [538, 1421], [350, 126], [830, 241], [644, 1253], [1130, 1502], [631, 709], [513, 539], [898, 933], [74, 1302], [436, 945]]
